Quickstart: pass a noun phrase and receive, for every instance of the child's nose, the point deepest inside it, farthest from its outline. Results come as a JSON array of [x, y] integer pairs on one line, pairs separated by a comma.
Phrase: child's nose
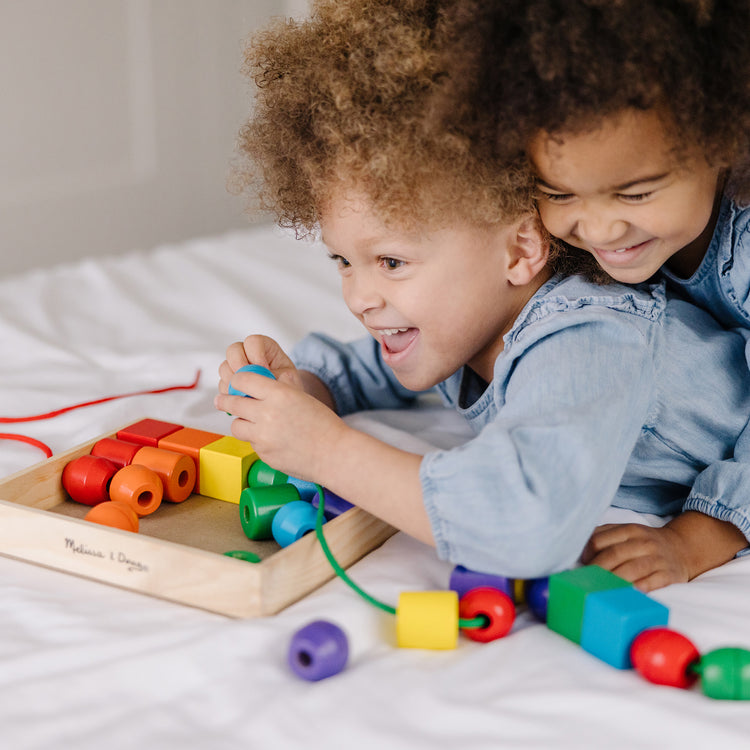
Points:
[[360, 294], [600, 230]]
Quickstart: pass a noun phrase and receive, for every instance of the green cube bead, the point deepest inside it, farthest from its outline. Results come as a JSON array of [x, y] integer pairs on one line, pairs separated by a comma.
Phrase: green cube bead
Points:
[[567, 597]]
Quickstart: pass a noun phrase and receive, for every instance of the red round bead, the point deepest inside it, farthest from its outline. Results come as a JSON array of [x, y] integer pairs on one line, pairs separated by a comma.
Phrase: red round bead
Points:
[[664, 656], [492, 604], [86, 479]]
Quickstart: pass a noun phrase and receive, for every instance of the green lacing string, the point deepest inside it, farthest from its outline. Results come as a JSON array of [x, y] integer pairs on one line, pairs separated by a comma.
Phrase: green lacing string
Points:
[[474, 622]]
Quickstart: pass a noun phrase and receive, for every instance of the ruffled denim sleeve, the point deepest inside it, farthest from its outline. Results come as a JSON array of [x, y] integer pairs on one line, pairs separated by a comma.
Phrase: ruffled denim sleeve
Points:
[[353, 372], [570, 397], [722, 490]]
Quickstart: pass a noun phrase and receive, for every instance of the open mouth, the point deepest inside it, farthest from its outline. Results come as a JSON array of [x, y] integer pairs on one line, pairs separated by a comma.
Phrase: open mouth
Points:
[[621, 254], [396, 340]]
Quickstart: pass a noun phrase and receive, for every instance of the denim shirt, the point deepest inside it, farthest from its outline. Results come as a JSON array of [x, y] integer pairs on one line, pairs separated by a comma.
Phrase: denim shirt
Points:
[[721, 284], [602, 395]]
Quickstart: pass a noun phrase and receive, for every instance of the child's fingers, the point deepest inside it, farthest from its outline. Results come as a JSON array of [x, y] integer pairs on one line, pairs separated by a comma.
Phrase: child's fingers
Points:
[[236, 356], [263, 351], [604, 537], [225, 375]]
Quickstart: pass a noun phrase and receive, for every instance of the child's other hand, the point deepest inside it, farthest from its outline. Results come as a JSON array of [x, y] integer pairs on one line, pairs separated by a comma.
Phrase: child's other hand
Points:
[[289, 429], [649, 557], [258, 350]]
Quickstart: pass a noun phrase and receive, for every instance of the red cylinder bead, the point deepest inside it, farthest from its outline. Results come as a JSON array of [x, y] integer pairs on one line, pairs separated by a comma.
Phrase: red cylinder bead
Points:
[[664, 657], [495, 606], [86, 479], [119, 452]]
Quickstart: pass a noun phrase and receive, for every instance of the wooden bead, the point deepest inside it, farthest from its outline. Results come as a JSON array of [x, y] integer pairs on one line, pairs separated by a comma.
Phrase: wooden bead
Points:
[[496, 607], [259, 505], [86, 479], [119, 452], [292, 521], [139, 487], [537, 597], [427, 619], [725, 674], [114, 514], [463, 580], [318, 650], [176, 471], [664, 657]]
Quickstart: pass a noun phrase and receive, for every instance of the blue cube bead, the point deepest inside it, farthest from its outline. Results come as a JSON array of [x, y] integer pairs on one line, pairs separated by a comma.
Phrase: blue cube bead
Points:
[[612, 619]]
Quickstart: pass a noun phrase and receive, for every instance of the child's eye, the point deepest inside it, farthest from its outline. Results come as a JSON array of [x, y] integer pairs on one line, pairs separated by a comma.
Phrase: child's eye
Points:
[[637, 198], [339, 260], [555, 197], [391, 263]]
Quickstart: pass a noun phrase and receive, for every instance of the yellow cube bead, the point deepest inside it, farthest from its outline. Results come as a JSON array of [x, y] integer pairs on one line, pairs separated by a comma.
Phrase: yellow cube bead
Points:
[[223, 468], [427, 619]]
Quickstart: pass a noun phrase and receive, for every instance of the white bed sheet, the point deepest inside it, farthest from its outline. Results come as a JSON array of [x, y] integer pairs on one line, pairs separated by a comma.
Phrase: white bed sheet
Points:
[[86, 665]]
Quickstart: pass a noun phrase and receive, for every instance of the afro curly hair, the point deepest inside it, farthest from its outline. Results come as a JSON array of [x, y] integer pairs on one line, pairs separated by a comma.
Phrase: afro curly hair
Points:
[[524, 66], [339, 102]]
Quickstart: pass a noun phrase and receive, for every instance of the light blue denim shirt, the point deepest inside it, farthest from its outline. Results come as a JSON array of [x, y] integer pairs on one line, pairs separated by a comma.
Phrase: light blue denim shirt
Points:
[[721, 284], [602, 395]]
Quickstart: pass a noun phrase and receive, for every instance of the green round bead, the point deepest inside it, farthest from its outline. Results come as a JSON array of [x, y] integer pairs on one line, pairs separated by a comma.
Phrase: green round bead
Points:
[[243, 554], [725, 674]]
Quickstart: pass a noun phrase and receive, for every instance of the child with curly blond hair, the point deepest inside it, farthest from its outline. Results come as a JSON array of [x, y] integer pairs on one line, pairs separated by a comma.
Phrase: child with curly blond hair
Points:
[[578, 394]]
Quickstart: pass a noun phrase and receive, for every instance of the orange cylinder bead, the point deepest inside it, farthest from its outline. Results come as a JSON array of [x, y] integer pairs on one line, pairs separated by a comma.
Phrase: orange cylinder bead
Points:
[[137, 486], [114, 514], [176, 471]]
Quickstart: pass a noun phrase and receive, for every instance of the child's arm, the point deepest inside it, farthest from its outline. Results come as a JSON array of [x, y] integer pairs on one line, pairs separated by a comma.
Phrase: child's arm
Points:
[[690, 544], [318, 445]]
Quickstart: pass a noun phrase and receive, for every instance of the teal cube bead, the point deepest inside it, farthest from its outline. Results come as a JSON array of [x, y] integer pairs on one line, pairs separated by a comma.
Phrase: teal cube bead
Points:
[[612, 619]]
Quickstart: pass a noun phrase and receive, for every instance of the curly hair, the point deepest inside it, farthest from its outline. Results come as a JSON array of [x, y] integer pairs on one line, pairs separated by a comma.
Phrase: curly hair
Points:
[[340, 102], [524, 66]]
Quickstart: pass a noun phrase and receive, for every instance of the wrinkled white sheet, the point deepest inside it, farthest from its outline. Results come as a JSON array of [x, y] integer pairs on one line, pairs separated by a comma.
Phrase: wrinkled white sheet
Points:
[[85, 665]]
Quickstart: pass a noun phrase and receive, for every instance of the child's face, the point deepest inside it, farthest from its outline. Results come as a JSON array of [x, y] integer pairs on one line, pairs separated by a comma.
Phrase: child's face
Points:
[[619, 193], [435, 300]]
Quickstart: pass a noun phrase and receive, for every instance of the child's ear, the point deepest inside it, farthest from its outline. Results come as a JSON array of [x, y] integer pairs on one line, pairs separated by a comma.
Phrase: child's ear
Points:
[[528, 251]]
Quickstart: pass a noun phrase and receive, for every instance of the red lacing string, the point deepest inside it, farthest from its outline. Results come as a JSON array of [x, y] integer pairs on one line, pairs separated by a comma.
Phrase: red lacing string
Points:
[[48, 415]]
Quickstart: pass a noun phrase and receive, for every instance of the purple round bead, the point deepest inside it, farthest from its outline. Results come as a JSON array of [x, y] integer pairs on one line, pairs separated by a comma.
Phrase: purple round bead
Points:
[[463, 580], [333, 505], [318, 650]]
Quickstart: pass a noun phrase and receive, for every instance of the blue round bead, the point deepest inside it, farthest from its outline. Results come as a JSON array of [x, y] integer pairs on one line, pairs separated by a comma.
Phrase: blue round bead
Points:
[[318, 650], [292, 521], [537, 596], [250, 368], [307, 490]]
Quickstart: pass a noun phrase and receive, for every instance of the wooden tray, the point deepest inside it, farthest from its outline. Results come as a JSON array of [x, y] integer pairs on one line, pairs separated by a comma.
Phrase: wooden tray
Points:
[[178, 552]]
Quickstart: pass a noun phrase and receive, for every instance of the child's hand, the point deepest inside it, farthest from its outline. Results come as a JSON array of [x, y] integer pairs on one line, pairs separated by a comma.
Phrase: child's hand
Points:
[[258, 350], [649, 557], [289, 429]]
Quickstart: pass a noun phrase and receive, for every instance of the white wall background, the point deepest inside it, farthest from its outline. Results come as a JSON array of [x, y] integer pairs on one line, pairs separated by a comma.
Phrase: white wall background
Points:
[[118, 119]]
